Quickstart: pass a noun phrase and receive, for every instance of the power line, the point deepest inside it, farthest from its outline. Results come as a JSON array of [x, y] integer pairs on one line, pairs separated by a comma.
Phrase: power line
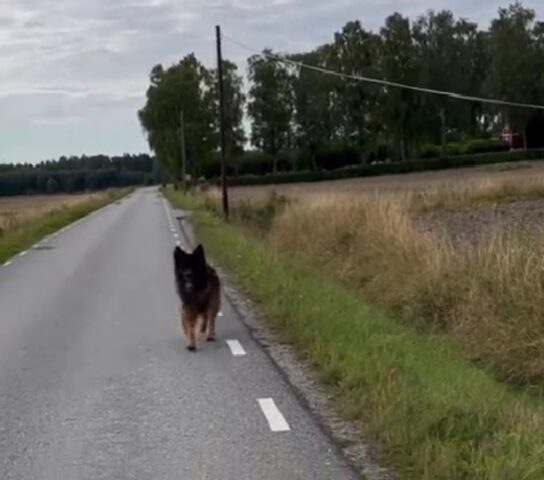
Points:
[[386, 83]]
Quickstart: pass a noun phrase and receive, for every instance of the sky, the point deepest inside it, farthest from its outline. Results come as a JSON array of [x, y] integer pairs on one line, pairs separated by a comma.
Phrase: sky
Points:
[[73, 73]]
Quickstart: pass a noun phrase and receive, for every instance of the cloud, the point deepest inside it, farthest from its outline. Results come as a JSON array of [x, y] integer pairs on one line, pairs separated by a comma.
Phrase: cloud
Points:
[[74, 73]]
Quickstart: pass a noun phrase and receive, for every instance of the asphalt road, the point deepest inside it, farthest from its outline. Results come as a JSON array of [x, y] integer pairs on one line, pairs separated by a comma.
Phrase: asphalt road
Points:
[[95, 382]]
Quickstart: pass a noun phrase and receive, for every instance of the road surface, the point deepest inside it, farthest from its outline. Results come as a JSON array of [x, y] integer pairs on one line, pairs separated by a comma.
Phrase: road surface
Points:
[[95, 382]]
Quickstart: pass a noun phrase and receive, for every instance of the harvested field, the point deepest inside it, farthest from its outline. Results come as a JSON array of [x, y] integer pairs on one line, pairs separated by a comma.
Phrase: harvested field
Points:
[[472, 225], [520, 171], [467, 205], [17, 211], [25, 220]]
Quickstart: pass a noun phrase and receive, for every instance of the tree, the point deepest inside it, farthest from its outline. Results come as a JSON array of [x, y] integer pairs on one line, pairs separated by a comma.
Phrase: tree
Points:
[[180, 87], [234, 106], [313, 103], [515, 49], [270, 104], [355, 52], [75, 174], [452, 59], [51, 186], [399, 62]]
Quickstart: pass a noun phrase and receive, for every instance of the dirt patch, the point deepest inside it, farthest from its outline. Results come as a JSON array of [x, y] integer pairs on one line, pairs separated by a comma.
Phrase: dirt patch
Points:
[[469, 225]]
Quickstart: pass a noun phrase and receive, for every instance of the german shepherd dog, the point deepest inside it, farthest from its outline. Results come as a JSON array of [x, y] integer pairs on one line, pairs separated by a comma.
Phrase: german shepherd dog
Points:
[[200, 293]]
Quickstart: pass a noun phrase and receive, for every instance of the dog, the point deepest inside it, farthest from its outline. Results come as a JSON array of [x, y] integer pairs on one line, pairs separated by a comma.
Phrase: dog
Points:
[[199, 289]]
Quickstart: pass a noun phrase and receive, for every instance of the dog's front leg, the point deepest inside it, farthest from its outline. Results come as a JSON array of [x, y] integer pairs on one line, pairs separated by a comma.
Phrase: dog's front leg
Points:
[[189, 327]]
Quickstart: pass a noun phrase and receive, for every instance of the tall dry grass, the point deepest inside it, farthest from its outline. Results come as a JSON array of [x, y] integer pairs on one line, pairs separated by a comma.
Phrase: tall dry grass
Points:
[[490, 297], [16, 212], [474, 192]]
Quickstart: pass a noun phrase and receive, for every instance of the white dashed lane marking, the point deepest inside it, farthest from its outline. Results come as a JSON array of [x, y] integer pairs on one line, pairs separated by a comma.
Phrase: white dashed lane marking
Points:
[[236, 348], [173, 230], [7, 264], [276, 421]]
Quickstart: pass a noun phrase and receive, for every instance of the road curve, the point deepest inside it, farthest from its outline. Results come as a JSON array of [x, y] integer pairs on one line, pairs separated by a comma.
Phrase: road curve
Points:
[[95, 382]]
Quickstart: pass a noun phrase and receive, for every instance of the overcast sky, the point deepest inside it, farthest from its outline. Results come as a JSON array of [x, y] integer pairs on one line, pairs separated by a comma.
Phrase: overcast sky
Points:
[[73, 73]]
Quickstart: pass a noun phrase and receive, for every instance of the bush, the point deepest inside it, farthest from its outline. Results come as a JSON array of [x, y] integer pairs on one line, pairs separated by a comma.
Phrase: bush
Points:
[[302, 160], [211, 167], [285, 162], [260, 216], [454, 148], [479, 145], [254, 163], [429, 151], [337, 156], [484, 146]]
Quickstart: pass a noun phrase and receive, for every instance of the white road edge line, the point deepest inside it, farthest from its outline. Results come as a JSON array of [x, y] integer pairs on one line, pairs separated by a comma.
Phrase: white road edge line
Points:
[[22, 254], [275, 419], [236, 348], [7, 264]]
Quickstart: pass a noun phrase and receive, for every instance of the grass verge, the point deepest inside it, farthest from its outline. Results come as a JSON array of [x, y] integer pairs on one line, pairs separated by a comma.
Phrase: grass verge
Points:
[[487, 294], [20, 238], [432, 415]]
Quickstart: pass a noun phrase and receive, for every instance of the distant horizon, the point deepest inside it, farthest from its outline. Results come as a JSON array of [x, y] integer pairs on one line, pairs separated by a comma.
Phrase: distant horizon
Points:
[[73, 77]]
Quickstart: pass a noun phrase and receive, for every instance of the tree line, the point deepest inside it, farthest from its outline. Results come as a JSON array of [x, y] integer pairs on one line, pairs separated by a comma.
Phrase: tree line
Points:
[[302, 119], [76, 174]]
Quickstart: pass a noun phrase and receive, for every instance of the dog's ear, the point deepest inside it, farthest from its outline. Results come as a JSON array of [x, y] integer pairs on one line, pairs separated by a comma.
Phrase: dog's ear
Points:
[[179, 256], [199, 254]]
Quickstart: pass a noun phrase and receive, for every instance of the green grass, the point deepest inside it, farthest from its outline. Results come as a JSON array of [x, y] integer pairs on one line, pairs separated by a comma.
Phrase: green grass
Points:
[[19, 239], [431, 414]]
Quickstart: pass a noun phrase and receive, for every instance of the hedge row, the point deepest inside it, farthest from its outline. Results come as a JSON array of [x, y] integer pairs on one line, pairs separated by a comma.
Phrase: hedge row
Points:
[[334, 156], [477, 145], [390, 168]]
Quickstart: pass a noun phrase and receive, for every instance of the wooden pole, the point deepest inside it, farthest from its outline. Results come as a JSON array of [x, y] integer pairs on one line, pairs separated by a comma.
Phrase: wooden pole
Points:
[[183, 151], [222, 125], [443, 138]]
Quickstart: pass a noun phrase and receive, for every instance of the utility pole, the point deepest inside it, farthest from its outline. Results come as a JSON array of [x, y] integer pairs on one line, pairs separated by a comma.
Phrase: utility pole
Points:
[[183, 151], [222, 125], [443, 138]]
